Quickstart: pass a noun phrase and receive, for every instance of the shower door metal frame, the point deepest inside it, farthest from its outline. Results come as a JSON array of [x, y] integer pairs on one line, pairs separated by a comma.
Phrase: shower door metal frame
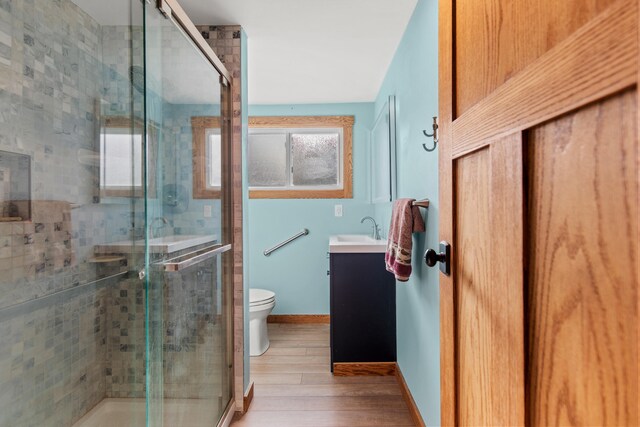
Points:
[[172, 10]]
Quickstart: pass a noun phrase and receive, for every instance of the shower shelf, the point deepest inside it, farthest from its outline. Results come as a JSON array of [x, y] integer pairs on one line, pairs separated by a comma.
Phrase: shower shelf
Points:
[[11, 219], [106, 259]]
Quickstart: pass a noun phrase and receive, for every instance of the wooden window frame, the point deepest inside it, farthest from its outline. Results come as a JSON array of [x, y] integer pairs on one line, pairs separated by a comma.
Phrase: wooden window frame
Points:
[[314, 122], [199, 126], [124, 122]]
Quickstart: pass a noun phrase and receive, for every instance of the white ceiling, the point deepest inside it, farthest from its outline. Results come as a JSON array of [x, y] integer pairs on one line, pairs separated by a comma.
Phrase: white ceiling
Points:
[[312, 51], [303, 51]]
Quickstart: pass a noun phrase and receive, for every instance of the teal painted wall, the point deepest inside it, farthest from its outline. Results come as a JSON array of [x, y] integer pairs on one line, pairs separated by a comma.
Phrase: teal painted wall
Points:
[[297, 273], [413, 78]]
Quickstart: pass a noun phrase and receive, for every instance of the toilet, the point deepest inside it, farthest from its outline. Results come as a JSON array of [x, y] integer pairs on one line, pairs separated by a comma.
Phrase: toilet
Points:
[[261, 302]]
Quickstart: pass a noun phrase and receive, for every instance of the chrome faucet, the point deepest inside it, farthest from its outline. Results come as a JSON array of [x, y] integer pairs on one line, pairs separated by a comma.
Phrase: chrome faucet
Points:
[[376, 228], [151, 226]]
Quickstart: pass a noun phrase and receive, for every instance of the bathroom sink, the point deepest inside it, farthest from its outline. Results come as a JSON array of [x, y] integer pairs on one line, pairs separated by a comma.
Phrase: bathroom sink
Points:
[[355, 243], [158, 245], [353, 238]]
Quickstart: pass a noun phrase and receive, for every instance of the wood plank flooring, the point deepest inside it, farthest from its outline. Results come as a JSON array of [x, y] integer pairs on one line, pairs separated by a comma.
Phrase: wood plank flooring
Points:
[[294, 387]]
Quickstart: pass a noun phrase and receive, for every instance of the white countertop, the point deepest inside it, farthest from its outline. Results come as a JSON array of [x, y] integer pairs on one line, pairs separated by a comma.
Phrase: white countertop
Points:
[[356, 243]]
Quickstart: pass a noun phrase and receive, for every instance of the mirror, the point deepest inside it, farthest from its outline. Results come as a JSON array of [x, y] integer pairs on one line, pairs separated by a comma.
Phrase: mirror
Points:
[[383, 154]]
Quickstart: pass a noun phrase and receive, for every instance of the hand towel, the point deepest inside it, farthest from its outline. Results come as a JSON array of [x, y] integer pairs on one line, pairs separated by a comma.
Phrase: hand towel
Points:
[[405, 220]]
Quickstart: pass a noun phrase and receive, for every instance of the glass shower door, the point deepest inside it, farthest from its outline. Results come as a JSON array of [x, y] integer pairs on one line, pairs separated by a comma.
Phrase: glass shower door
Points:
[[188, 298]]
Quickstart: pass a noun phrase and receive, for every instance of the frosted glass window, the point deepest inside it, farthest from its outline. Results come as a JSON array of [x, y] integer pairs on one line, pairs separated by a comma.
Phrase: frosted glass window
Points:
[[309, 155], [121, 158], [314, 159], [214, 159], [267, 158]]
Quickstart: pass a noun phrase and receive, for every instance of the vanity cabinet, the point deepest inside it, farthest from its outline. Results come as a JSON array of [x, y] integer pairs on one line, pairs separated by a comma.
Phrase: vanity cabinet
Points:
[[363, 308]]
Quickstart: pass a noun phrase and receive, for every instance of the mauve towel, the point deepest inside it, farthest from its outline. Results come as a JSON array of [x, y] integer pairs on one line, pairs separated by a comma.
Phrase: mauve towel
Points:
[[405, 220]]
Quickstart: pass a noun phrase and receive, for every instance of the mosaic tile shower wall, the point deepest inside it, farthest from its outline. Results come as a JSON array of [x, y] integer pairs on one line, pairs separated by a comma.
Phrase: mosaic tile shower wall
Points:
[[53, 313], [48, 112], [125, 349], [194, 334], [52, 358], [191, 324]]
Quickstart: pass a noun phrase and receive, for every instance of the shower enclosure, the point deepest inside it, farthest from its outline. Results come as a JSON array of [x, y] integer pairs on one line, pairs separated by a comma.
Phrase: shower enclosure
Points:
[[115, 213]]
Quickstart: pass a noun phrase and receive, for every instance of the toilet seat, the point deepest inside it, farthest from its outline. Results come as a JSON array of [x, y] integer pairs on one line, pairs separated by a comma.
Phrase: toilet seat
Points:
[[259, 297], [262, 307], [265, 302]]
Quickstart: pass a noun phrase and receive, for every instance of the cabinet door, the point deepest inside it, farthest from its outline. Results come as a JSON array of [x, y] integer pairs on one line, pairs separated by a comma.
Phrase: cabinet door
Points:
[[363, 309]]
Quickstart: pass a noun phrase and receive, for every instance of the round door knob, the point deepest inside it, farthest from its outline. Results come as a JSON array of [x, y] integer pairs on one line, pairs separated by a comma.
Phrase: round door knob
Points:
[[431, 257]]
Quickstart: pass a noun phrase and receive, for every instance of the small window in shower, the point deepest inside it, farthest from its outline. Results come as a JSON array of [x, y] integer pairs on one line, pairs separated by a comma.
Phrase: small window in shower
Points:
[[15, 187], [214, 159], [208, 153], [121, 154], [121, 159]]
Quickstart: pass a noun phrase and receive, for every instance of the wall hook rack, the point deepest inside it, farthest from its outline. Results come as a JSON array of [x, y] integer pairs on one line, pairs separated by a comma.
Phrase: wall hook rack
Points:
[[433, 135]]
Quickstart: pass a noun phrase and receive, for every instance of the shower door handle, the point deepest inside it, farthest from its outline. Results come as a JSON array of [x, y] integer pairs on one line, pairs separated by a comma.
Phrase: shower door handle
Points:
[[185, 261]]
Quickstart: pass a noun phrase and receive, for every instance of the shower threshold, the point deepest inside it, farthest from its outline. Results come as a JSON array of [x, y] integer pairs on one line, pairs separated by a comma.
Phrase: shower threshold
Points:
[[123, 412]]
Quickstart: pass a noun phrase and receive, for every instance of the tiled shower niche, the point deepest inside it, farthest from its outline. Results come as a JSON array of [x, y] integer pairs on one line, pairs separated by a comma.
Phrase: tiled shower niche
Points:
[[15, 187]]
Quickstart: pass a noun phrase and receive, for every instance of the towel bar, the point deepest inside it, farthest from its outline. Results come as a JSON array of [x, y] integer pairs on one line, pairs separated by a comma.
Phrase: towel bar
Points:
[[424, 203]]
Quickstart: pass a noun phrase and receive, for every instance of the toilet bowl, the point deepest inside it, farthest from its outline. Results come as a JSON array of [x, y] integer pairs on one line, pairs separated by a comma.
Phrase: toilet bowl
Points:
[[261, 302]]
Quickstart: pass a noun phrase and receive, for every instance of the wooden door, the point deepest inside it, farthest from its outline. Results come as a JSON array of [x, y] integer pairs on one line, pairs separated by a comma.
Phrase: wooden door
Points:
[[539, 200]]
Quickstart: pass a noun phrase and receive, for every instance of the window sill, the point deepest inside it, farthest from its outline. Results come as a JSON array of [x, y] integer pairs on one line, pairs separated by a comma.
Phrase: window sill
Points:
[[301, 194]]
